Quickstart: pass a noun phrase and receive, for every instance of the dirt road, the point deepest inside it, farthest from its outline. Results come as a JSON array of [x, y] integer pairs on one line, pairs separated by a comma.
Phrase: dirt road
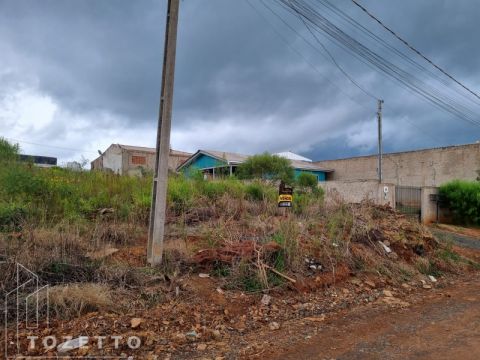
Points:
[[443, 325]]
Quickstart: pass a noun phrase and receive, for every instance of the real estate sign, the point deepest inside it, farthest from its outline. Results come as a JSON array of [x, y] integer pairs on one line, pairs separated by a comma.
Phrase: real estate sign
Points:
[[285, 195]]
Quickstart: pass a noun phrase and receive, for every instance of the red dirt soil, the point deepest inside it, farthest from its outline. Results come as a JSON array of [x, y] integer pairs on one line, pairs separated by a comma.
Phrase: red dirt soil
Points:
[[444, 324]]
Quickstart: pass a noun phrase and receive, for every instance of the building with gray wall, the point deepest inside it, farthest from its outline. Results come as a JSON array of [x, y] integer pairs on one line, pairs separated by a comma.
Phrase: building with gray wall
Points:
[[429, 167], [133, 160]]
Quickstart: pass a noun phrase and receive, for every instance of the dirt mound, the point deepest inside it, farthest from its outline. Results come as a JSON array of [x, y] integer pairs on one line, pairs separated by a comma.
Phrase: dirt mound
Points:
[[320, 250]]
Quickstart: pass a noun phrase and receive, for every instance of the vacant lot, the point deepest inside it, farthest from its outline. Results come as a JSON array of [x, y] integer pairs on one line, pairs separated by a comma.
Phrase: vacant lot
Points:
[[240, 277]]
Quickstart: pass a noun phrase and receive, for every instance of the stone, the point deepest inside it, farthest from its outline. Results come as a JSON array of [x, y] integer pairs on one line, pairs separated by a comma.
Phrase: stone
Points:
[[426, 286], [385, 247], [355, 282], [180, 338], [203, 276], [202, 347], [266, 299], [395, 302], [135, 323], [387, 293], [432, 278], [191, 335], [370, 284], [274, 326]]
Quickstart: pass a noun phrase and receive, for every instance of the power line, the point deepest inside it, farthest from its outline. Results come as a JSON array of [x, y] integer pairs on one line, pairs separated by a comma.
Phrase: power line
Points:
[[330, 56], [368, 56], [326, 50], [337, 64], [292, 48], [378, 40], [51, 146], [414, 49]]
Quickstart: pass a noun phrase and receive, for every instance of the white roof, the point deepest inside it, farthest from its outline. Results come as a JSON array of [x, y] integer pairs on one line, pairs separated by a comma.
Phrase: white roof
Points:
[[292, 156]]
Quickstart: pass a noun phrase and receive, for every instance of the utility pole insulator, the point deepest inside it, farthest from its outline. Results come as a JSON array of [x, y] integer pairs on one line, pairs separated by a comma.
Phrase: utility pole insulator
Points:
[[160, 179]]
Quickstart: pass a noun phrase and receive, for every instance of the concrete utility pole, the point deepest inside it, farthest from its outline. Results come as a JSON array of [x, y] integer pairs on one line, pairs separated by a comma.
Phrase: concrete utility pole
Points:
[[380, 141], [159, 193]]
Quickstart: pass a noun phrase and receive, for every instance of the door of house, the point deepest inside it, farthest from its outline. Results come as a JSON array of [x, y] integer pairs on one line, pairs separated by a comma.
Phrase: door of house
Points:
[[408, 200]]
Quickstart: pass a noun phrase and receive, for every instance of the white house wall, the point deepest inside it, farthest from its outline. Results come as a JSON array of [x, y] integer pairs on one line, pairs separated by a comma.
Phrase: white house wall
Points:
[[112, 159]]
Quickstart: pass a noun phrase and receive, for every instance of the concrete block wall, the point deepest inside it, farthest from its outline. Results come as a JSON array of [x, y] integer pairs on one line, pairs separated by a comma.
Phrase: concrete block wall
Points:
[[430, 167], [357, 191], [429, 208]]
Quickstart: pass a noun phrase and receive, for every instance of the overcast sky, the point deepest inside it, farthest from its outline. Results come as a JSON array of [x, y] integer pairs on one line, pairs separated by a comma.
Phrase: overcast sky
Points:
[[84, 74]]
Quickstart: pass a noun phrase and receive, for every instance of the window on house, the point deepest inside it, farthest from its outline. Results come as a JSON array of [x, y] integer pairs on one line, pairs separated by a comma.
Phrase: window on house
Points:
[[139, 160]]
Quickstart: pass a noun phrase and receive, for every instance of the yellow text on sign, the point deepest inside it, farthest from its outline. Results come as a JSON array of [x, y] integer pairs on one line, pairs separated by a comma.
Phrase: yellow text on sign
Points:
[[285, 198]]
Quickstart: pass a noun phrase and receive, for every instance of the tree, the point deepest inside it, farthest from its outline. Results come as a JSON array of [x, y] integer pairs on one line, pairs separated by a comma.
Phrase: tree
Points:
[[307, 181], [8, 152], [267, 167]]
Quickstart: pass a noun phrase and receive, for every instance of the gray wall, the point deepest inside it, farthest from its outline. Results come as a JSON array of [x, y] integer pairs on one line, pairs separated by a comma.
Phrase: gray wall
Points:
[[431, 167], [357, 191]]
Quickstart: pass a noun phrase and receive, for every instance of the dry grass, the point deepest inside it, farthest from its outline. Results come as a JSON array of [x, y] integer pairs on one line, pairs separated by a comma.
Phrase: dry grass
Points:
[[74, 300], [340, 238], [335, 236]]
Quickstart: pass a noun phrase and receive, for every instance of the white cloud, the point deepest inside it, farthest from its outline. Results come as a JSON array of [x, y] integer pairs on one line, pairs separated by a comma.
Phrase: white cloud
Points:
[[43, 127]]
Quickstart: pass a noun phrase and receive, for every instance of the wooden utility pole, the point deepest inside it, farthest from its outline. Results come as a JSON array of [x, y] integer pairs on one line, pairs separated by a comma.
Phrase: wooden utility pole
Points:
[[159, 193], [380, 140]]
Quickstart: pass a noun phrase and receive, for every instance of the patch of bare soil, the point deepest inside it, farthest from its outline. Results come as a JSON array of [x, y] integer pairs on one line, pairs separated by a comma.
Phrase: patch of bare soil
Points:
[[206, 321], [135, 256], [441, 324], [470, 232]]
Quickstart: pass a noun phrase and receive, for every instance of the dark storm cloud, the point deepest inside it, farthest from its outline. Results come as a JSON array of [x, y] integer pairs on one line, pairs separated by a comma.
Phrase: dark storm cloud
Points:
[[89, 55], [234, 75]]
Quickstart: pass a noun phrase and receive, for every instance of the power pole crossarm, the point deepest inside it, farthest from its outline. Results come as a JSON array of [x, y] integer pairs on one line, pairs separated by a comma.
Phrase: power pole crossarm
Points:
[[380, 141], [160, 180]]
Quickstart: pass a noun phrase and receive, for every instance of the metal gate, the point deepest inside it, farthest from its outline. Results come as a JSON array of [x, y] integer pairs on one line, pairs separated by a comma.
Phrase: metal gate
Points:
[[408, 200]]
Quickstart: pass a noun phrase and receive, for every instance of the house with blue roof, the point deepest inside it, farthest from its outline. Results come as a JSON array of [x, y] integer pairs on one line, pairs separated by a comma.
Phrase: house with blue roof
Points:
[[215, 164]]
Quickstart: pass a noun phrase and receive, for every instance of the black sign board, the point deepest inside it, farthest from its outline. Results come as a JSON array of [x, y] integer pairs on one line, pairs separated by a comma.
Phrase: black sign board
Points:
[[285, 195]]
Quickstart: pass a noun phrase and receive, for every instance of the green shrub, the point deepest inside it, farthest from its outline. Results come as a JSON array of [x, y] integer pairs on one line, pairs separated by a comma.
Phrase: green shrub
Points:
[[301, 202], [18, 180], [463, 199], [11, 216], [213, 189], [267, 167], [307, 181], [235, 188], [180, 193], [8, 152], [258, 191], [254, 192]]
